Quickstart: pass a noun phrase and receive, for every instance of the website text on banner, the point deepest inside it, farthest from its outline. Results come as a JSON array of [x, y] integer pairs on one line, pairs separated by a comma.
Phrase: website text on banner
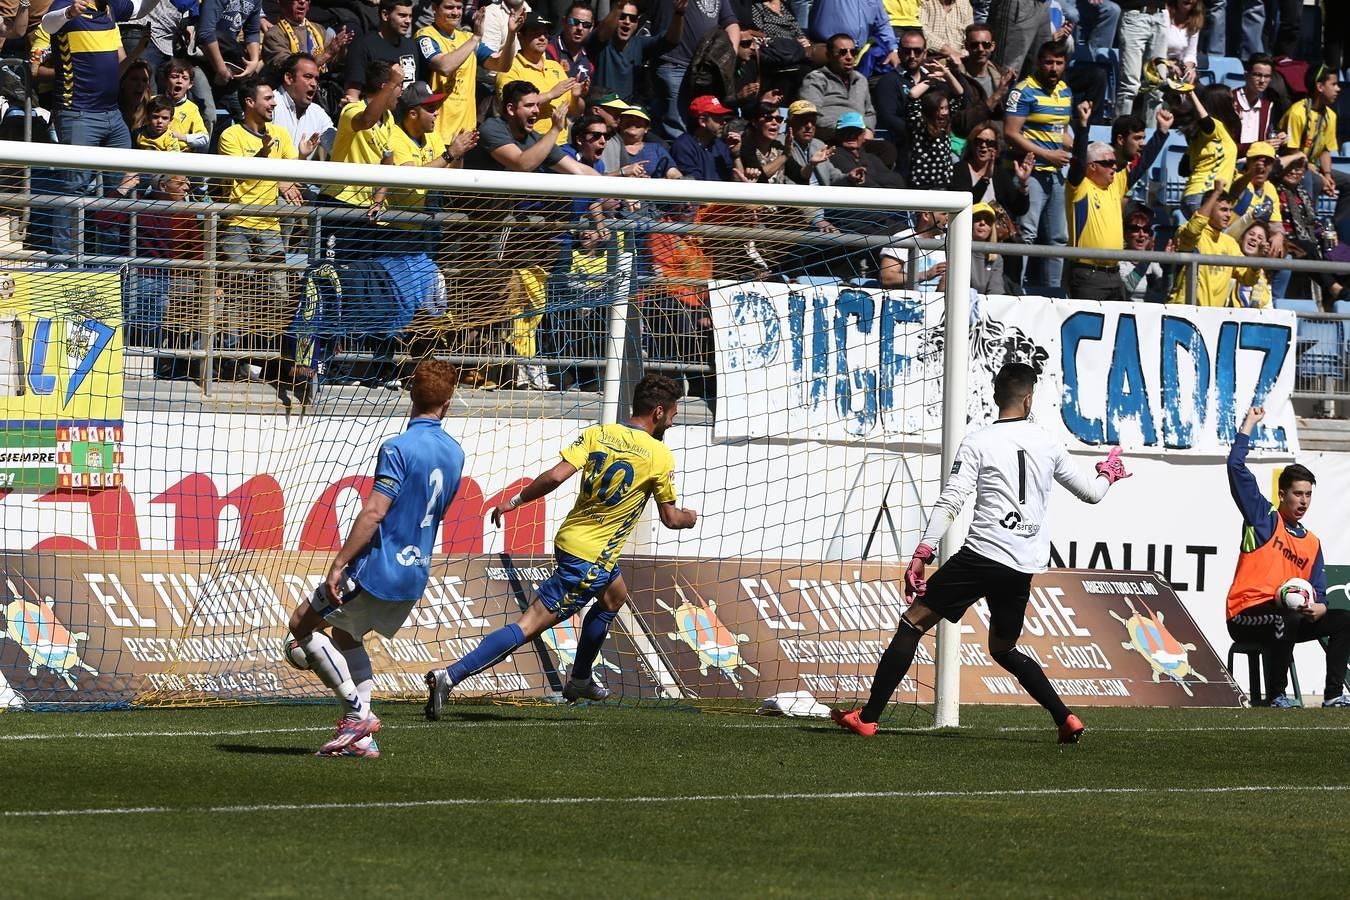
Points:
[[842, 363], [140, 623]]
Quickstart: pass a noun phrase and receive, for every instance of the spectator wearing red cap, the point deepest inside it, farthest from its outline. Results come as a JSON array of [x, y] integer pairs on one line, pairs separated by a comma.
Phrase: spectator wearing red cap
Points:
[[702, 153]]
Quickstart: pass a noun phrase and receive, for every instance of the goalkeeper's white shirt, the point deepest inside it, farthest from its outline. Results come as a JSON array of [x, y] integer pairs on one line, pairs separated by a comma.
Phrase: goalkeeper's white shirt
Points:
[[1011, 465]]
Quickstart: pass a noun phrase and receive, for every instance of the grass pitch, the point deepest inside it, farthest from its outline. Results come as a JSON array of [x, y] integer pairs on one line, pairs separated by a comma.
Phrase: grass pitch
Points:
[[607, 802]]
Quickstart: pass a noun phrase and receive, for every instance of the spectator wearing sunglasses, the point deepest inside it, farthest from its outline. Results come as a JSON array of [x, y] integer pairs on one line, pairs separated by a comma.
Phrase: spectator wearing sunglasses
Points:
[[1094, 194], [763, 158], [838, 89], [618, 49], [863, 21], [568, 46], [986, 87], [1146, 281]]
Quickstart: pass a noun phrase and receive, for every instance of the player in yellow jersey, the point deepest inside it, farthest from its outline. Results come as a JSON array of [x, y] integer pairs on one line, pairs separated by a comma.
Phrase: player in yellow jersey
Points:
[[621, 465]]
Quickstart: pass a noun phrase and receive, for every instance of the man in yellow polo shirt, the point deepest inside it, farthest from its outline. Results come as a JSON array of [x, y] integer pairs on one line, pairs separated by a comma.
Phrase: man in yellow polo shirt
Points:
[[547, 75], [257, 239], [417, 142], [1093, 199], [1204, 234], [451, 55], [364, 135]]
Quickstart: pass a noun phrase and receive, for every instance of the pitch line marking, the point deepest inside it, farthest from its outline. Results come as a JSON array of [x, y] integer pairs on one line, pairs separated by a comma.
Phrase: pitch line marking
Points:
[[243, 732], [1019, 793], [788, 721], [1194, 728]]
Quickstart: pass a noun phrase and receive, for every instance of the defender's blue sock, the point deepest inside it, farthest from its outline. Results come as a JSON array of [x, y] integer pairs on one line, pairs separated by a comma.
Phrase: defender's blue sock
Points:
[[490, 651], [593, 632]]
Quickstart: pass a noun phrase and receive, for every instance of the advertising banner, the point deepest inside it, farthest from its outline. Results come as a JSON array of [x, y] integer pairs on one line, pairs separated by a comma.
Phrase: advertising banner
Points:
[[1157, 377], [840, 363], [61, 394], [109, 628]]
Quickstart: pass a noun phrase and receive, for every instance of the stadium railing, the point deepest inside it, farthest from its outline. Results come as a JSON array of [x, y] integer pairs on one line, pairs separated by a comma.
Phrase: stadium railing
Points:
[[562, 342]]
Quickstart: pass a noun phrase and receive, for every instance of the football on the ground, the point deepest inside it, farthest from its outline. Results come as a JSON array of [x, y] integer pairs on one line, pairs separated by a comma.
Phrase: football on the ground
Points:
[[294, 654], [1297, 593]]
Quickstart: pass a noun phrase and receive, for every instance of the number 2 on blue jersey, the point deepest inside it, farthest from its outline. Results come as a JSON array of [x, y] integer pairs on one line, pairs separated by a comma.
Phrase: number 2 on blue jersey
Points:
[[607, 492], [436, 481]]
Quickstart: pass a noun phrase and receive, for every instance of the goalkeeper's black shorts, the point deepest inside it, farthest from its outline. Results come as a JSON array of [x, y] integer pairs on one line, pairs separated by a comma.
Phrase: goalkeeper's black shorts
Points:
[[967, 577]]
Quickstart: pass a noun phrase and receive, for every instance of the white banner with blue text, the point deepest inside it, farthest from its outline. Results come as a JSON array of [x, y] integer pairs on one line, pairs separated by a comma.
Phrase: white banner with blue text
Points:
[[833, 362]]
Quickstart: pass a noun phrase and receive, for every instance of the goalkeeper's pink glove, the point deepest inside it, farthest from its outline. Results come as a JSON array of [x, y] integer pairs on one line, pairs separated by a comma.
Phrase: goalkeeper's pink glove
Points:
[[1112, 467], [915, 585]]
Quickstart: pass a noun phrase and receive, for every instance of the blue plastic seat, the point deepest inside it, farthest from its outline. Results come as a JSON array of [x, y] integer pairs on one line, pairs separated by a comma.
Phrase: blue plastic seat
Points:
[[1321, 342], [1169, 172], [1223, 66]]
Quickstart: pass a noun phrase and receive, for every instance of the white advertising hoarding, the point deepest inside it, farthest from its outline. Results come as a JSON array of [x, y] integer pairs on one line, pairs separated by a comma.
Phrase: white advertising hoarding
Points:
[[840, 363]]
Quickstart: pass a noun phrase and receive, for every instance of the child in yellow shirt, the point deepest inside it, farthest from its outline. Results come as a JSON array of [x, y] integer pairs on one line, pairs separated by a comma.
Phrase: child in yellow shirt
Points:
[[175, 80]]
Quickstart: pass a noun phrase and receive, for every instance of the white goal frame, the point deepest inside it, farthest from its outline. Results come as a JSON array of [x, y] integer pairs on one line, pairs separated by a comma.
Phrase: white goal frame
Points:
[[957, 292]]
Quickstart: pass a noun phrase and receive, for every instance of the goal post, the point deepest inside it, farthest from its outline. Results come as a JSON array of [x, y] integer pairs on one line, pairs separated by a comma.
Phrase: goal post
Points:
[[523, 214]]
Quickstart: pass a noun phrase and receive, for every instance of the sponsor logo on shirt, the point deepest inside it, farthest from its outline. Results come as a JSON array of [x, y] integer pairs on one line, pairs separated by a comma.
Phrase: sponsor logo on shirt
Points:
[[411, 556]]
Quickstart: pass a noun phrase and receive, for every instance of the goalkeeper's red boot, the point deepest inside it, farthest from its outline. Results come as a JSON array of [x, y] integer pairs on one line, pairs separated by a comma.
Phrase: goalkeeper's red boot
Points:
[[852, 720], [1071, 730]]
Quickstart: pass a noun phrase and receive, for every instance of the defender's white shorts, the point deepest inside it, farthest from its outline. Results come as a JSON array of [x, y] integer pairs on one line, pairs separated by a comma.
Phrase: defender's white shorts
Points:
[[361, 612]]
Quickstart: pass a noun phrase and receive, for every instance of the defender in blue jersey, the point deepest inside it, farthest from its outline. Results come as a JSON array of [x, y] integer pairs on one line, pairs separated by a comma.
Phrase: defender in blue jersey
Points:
[[622, 465], [382, 569]]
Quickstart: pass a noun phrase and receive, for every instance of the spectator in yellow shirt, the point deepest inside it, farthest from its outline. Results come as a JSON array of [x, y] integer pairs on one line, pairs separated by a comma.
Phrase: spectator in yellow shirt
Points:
[[1311, 128], [155, 133], [1212, 149], [417, 142], [364, 135], [450, 56], [1255, 240], [256, 306], [175, 81], [1204, 234], [547, 75]]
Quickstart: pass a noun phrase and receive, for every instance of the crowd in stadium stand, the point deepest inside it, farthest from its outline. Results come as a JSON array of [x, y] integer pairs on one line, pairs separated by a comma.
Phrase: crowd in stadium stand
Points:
[[1205, 125]]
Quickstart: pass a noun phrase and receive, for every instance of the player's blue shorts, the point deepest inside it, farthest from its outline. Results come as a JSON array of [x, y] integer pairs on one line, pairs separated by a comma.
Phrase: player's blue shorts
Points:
[[573, 583]]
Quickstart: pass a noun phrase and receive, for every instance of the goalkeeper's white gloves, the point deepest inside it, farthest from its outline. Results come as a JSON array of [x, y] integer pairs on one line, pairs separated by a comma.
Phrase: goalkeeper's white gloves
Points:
[[915, 583], [1112, 468]]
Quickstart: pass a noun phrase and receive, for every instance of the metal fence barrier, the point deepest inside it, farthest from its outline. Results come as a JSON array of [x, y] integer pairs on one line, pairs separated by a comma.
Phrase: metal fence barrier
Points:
[[199, 278]]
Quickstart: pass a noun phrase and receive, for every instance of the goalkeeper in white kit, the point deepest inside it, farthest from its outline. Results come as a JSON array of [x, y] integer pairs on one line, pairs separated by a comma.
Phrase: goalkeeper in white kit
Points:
[[1011, 465]]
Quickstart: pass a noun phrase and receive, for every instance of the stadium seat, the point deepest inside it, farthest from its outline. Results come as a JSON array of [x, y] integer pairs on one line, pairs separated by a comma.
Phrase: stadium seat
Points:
[[1100, 133], [1234, 81], [1169, 173], [1321, 342], [1224, 66], [1253, 652]]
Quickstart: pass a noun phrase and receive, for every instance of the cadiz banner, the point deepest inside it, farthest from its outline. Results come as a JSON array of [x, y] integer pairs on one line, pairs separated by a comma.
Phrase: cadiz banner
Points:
[[1157, 377], [117, 628], [61, 387], [842, 363]]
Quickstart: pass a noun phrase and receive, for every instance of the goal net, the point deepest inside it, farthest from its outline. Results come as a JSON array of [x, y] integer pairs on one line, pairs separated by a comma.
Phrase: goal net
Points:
[[195, 391]]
